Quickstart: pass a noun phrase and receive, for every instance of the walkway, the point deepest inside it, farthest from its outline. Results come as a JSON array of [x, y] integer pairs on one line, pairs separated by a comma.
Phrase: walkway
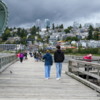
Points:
[[27, 83]]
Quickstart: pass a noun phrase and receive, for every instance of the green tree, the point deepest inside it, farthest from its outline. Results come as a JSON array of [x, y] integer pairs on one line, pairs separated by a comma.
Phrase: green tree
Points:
[[33, 30], [90, 35], [91, 28], [80, 26], [23, 33], [23, 40], [67, 30], [96, 36], [18, 31], [72, 39], [6, 34], [61, 26]]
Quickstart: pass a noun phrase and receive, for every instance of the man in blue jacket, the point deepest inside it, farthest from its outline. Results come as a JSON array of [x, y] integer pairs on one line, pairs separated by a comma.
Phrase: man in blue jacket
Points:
[[48, 62]]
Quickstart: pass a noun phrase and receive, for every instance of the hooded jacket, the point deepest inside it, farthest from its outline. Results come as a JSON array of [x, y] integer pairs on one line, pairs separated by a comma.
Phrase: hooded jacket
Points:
[[59, 56], [21, 55], [48, 59]]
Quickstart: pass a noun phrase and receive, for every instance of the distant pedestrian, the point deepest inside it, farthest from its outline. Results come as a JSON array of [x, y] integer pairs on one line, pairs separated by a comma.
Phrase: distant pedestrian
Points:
[[40, 56], [36, 56], [18, 55], [88, 58], [21, 56], [25, 55], [48, 63], [31, 54], [58, 59]]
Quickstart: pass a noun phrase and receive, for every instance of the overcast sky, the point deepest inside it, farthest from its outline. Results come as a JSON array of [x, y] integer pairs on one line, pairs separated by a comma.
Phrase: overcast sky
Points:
[[23, 13]]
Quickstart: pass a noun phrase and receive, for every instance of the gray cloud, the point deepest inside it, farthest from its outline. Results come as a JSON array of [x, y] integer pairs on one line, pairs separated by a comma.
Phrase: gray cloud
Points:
[[25, 12]]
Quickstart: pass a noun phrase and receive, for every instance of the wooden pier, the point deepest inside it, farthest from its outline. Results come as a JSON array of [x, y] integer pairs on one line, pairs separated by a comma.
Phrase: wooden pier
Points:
[[25, 81]]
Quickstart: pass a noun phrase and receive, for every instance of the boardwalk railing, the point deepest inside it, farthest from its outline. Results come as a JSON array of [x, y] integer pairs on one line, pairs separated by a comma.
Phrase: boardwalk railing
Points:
[[86, 72], [5, 61], [94, 58]]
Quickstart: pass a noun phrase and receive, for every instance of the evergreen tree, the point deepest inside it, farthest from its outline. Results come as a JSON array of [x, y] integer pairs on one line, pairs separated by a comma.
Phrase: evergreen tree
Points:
[[18, 31], [6, 34], [33, 30], [91, 28], [96, 36], [80, 26], [90, 35], [68, 29], [61, 26]]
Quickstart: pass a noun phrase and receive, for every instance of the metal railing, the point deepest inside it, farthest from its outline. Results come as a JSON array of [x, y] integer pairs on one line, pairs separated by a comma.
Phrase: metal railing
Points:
[[5, 61]]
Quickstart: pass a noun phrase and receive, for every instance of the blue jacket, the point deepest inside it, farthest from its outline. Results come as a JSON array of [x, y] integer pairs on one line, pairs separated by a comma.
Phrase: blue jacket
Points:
[[48, 59]]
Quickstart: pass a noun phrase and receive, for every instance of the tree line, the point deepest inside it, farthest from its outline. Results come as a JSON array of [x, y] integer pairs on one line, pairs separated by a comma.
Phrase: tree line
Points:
[[93, 33]]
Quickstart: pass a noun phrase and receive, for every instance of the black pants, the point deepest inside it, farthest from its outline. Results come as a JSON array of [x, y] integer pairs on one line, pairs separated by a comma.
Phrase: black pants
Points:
[[21, 59]]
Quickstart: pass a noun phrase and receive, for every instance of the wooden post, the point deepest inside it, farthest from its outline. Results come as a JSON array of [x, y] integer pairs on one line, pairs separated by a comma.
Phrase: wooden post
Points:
[[70, 66]]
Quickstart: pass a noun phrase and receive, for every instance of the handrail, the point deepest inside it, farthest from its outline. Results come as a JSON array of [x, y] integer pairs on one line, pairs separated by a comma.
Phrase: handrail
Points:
[[94, 58], [6, 60], [81, 65], [86, 72]]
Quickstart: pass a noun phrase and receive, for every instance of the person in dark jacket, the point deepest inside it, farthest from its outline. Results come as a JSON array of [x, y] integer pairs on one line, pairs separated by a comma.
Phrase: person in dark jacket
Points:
[[48, 62], [58, 59], [25, 55]]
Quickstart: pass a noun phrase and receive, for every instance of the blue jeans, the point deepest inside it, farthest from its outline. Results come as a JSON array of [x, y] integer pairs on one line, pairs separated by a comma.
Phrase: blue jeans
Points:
[[58, 70], [47, 71]]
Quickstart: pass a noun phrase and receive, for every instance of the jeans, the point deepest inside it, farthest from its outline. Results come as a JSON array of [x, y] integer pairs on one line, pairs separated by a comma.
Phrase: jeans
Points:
[[47, 71], [58, 70]]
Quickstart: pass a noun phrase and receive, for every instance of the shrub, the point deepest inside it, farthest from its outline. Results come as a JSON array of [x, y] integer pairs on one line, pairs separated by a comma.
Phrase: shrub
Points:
[[74, 51]]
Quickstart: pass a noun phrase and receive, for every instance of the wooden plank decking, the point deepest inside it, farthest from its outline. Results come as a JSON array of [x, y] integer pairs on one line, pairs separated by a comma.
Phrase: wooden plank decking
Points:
[[26, 82]]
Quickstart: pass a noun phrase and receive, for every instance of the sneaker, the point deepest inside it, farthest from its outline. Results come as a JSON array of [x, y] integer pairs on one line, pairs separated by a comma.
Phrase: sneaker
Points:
[[57, 78], [46, 78]]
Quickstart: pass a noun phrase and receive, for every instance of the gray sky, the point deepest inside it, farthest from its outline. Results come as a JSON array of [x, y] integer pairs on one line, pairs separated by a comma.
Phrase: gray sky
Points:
[[23, 13]]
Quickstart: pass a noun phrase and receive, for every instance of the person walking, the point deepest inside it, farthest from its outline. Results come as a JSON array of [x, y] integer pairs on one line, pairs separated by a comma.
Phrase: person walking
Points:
[[58, 59], [21, 56], [88, 58], [48, 62], [25, 54], [36, 56]]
